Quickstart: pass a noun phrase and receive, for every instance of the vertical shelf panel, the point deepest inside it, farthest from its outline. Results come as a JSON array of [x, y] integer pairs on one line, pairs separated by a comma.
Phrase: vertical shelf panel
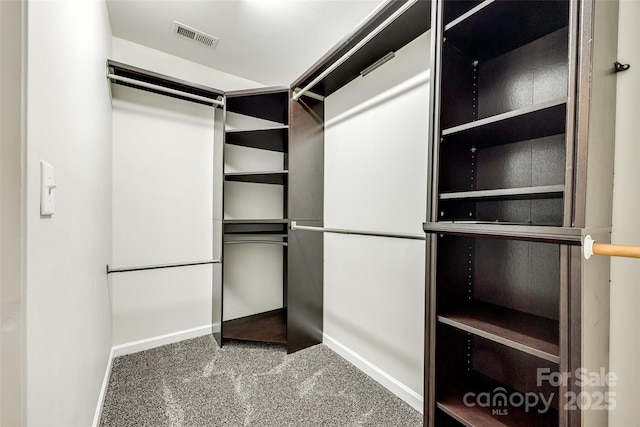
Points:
[[306, 189], [504, 153]]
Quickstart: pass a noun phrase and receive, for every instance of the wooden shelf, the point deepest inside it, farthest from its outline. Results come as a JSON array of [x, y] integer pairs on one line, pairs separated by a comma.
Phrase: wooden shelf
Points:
[[269, 103], [531, 334], [477, 416], [256, 227], [522, 193], [533, 233], [269, 327], [537, 121], [407, 27], [273, 177], [146, 76], [512, 24], [272, 139]]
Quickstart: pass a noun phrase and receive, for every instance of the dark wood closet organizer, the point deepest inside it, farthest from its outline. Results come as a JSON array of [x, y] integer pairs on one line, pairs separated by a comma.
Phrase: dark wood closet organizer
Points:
[[267, 104], [508, 291], [298, 324]]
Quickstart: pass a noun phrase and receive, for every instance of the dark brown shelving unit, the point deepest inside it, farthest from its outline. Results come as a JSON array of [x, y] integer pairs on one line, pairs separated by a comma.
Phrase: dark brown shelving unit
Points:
[[296, 134], [507, 287], [269, 104]]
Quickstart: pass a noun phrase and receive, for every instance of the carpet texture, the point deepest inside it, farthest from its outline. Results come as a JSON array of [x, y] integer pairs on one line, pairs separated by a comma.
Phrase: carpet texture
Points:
[[196, 383]]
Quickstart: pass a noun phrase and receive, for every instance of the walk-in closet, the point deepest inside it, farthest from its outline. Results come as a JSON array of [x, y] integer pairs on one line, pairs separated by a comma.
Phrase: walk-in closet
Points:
[[378, 212]]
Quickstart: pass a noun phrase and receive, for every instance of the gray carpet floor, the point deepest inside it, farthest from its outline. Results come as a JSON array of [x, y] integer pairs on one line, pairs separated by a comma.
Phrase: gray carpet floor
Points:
[[196, 383]]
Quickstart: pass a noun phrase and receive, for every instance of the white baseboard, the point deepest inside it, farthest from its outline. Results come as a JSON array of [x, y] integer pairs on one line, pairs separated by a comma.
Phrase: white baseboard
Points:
[[103, 390], [153, 342], [412, 398]]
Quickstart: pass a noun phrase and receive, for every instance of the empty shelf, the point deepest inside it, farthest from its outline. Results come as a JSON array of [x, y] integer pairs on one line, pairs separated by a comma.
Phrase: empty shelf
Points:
[[537, 121], [512, 23], [264, 103], [256, 227], [274, 177], [531, 334], [272, 139], [454, 405], [544, 191], [270, 326]]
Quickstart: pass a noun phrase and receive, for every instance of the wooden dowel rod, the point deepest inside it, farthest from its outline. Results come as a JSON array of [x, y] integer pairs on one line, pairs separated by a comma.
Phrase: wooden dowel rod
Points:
[[609, 249]]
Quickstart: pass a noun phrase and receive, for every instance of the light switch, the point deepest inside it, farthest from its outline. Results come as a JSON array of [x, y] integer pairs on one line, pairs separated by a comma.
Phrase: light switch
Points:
[[47, 187]]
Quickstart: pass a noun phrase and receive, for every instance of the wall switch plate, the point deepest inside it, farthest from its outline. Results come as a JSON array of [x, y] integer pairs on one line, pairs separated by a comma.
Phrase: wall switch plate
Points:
[[47, 186]]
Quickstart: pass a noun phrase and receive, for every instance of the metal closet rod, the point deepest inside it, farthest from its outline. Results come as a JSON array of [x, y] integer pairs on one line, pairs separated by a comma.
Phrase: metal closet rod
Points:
[[298, 93], [266, 242], [295, 226], [154, 267], [164, 89], [590, 247]]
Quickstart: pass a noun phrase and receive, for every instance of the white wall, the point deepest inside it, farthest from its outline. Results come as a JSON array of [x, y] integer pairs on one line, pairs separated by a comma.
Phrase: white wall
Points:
[[11, 247], [68, 125], [162, 213], [375, 179], [625, 289], [161, 62]]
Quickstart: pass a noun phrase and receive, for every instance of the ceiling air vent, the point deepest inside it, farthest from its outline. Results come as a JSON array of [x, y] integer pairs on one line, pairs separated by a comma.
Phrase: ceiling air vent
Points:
[[199, 37]]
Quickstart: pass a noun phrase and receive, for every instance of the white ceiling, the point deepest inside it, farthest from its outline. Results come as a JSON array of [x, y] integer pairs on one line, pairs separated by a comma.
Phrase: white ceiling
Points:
[[268, 41]]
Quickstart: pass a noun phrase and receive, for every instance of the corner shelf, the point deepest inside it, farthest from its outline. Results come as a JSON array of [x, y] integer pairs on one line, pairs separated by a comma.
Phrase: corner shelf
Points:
[[272, 138], [272, 177], [256, 227], [531, 334], [264, 103], [268, 327]]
